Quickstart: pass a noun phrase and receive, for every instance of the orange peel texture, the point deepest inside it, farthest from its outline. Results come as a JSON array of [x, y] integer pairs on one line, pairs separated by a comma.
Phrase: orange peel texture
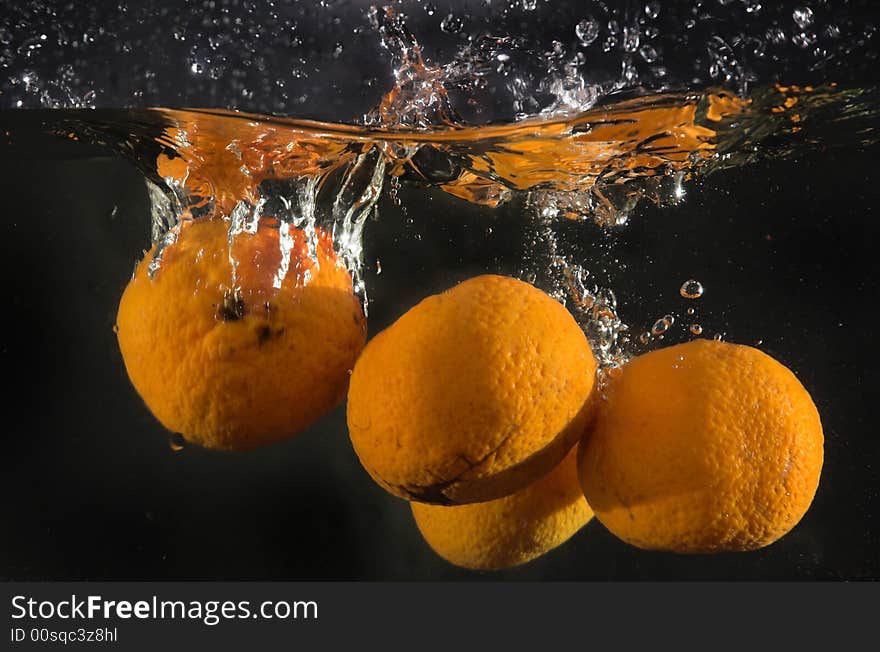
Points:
[[472, 394], [509, 531], [235, 356], [703, 447]]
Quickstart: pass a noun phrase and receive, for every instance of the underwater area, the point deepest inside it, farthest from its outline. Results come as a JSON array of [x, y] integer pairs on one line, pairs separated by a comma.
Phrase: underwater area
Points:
[[667, 171]]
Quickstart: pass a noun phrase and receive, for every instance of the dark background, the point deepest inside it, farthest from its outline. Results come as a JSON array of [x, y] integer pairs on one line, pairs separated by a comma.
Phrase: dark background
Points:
[[92, 490], [324, 60], [90, 486]]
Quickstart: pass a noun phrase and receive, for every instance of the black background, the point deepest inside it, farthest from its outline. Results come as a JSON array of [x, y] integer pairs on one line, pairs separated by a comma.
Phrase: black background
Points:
[[92, 490]]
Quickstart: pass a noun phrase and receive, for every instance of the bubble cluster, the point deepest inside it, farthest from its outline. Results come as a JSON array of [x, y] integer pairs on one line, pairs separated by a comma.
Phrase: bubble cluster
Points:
[[501, 61]]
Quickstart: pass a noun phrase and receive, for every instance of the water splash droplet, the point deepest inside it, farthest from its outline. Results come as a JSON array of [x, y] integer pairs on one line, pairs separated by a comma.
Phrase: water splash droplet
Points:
[[660, 326], [775, 35], [631, 38], [451, 24], [696, 329], [176, 442], [691, 289], [587, 30], [803, 17], [648, 53], [804, 39]]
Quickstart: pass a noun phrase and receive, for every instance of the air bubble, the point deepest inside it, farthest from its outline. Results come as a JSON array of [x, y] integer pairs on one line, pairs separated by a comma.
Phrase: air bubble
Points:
[[451, 24], [648, 53], [587, 31], [660, 326], [803, 17], [691, 289]]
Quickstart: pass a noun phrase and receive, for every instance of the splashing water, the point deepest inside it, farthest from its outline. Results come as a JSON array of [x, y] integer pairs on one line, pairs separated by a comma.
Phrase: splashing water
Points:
[[583, 128]]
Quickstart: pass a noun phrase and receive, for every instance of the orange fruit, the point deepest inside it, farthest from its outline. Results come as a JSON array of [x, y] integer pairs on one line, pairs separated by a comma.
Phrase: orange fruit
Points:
[[471, 394], [509, 531], [237, 356], [703, 447]]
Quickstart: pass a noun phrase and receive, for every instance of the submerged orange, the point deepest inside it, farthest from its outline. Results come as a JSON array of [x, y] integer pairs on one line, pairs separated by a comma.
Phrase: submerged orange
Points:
[[703, 447], [512, 530], [472, 394], [236, 345]]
